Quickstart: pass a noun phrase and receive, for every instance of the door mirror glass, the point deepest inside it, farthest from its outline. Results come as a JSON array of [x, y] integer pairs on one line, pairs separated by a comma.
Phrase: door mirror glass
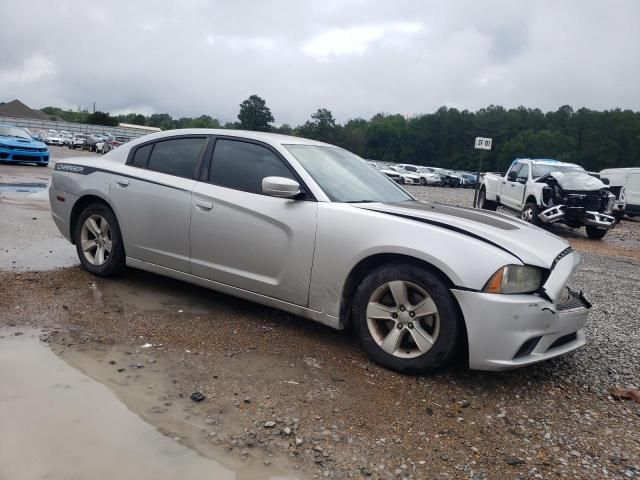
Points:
[[280, 187]]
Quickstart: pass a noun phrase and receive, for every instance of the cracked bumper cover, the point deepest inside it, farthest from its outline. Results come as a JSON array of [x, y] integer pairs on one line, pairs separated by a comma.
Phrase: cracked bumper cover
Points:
[[499, 326]]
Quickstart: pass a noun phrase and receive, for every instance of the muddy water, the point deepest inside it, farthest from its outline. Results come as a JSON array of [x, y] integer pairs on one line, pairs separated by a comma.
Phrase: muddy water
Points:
[[58, 423]]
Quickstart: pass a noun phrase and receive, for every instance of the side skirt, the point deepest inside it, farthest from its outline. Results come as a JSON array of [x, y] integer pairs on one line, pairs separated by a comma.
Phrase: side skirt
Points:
[[314, 315]]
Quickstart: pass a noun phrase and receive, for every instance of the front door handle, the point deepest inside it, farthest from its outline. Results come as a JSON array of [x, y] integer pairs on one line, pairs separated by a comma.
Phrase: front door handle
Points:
[[202, 205], [123, 182]]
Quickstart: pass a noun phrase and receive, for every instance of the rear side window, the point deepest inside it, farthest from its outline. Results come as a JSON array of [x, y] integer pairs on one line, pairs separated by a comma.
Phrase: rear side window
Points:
[[141, 156], [176, 157], [242, 166]]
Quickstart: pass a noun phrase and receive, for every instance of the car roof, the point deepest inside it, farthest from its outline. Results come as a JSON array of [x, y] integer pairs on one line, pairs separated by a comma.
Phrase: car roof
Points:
[[547, 161], [259, 136]]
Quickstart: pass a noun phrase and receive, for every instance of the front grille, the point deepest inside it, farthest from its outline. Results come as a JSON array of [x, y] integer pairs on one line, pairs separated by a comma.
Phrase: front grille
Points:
[[586, 200], [27, 158], [26, 149]]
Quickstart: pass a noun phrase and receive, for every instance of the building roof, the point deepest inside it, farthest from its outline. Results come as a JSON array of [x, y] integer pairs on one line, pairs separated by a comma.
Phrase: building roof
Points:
[[16, 108]]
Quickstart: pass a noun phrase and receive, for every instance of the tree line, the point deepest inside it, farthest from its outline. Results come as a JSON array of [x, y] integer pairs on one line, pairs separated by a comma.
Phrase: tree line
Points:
[[445, 138]]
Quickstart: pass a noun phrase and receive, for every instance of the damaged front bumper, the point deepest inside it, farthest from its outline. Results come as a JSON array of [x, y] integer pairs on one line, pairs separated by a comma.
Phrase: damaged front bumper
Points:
[[510, 331], [559, 213]]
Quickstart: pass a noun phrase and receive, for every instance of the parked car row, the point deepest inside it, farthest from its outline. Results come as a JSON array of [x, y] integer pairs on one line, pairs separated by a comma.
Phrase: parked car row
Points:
[[94, 142], [407, 174]]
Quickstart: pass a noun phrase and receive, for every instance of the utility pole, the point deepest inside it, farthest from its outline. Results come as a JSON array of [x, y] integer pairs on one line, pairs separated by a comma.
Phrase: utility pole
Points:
[[94, 107]]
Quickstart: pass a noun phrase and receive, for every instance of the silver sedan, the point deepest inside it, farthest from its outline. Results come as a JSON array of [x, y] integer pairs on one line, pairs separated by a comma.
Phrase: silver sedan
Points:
[[312, 229]]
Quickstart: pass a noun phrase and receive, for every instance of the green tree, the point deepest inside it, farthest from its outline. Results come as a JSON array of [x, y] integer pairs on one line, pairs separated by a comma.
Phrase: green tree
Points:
[[255, 115], [101, 118]]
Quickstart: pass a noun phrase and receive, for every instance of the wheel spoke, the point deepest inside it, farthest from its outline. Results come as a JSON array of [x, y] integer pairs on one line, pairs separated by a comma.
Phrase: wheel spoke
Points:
[[92, 226], [399, 292], [88, 245], [377, 311], [98, 259], [107, 245], [425, 308], [392, 341], [423, 340]]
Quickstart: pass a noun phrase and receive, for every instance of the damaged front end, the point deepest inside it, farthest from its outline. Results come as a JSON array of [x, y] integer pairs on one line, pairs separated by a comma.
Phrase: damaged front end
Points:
[[576, 199]]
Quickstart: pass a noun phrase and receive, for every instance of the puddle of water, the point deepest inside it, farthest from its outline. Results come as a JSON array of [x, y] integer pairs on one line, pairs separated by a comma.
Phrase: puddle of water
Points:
[[58, 423], [23, 187]]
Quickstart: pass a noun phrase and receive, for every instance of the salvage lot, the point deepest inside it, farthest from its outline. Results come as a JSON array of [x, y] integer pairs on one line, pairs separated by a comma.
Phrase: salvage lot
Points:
[[335, 413]]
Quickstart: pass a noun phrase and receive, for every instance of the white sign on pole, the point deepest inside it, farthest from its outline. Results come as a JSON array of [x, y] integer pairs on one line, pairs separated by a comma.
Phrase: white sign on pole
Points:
[[483, 143]]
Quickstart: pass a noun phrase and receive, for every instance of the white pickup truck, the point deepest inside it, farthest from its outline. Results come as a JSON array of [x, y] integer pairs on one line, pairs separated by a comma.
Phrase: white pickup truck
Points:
[[545, 191]]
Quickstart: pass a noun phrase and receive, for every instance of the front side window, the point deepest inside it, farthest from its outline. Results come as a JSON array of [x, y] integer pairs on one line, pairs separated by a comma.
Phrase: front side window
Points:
[[524, 172], [345, 177], [177, 157], [513, 171], [243, 166]]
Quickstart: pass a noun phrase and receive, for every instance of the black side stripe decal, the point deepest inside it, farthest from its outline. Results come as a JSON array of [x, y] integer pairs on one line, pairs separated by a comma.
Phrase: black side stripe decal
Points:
[[84, 170], [448, 227]]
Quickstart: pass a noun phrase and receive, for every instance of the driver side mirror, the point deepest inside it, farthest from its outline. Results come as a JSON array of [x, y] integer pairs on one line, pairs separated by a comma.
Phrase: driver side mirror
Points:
[[511, 176], [280, 187]]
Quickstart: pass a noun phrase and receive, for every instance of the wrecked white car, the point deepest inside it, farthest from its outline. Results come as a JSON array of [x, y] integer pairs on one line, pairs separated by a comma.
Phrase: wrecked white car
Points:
[[547, 191]]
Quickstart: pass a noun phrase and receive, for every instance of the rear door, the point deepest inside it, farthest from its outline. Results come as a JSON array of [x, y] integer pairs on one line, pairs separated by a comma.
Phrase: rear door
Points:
[[152, 199], [244, 238]]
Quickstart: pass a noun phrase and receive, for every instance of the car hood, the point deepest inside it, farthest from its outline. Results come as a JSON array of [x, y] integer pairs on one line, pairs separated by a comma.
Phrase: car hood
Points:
[[21, 142], [530, 244], [576, 181]]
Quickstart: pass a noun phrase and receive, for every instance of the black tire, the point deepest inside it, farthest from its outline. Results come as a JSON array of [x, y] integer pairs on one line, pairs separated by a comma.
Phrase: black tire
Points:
[[42, 164], [530, 214], [449, 335], [595, 232], [115, 262], [423, 181], [484, 203]]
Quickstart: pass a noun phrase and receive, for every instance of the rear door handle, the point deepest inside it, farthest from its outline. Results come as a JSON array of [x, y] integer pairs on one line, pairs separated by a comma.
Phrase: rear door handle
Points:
[[123, 182], [202, 205]]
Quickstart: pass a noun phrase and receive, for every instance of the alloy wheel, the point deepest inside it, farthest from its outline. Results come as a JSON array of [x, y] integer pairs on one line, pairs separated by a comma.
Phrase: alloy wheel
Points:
[[95, 239], [403, 319]]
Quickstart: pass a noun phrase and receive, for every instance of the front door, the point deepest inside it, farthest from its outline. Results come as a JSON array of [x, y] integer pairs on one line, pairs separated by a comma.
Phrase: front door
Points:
[[244, 238]]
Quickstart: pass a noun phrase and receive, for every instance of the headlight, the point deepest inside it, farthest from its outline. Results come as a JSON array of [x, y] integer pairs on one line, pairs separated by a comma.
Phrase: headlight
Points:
[[514, 279]]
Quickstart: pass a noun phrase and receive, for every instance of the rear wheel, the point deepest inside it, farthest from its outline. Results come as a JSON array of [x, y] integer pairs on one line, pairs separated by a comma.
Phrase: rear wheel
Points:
[[530, 214], [406, 318], [484, 203], [423, 181], [99, 242], [595, 232]]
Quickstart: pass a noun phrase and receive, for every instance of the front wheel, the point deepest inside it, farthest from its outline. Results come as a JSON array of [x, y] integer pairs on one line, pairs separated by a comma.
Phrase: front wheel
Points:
[[423, 181], [595, 232], [99, 242], [406, 318], [530, 214]]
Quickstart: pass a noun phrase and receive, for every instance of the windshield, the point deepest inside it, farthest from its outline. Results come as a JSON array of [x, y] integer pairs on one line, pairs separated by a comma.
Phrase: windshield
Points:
[[7, 131], [542, 169], [345, 177]]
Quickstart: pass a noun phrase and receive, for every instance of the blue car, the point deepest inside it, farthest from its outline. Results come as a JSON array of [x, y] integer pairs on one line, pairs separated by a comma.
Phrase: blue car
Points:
[[16, 145]]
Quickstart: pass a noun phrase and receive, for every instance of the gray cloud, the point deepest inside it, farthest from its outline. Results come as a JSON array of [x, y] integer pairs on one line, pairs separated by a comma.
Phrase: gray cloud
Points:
[[354, 57]]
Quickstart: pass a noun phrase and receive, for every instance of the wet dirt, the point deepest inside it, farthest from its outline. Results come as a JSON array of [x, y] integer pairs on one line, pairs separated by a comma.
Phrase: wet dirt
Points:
[[58, 422]]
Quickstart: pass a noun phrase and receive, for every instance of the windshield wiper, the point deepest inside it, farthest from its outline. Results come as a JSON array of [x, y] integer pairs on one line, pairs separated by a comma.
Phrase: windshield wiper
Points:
[[362, 201]]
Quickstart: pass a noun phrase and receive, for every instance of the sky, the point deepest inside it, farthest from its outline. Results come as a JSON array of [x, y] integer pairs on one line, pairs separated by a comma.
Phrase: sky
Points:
[[354, 57]]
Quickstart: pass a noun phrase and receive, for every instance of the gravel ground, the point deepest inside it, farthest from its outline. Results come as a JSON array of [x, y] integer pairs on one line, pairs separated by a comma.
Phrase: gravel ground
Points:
[[334, 413]]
